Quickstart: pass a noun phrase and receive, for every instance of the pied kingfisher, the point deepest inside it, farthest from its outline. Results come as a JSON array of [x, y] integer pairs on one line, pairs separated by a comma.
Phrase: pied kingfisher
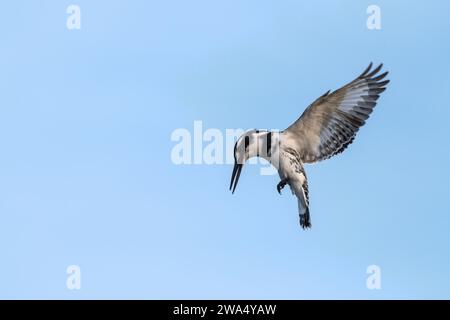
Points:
[[324, 129]]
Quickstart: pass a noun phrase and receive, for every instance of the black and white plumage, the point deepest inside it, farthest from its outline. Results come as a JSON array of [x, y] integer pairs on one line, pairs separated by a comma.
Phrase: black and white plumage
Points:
[[326, 128]]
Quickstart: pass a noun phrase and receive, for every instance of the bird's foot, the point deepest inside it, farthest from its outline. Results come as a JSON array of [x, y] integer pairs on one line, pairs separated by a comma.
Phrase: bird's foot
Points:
[[281, 185], [305, 220]]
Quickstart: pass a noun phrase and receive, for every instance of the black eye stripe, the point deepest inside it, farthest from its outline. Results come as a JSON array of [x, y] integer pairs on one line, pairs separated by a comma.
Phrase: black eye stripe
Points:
[[246, 142], [269, 144]]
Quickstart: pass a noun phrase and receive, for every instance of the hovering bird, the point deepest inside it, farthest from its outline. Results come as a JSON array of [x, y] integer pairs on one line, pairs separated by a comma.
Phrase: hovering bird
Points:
[[325, 129]]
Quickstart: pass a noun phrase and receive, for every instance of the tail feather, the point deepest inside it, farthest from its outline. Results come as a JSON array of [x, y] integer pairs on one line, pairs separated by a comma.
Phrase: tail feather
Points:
[[305, 219], [303, 209]]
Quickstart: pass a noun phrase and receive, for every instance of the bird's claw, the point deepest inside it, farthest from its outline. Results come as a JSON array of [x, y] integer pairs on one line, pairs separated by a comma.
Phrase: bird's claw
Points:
[[281, 185]]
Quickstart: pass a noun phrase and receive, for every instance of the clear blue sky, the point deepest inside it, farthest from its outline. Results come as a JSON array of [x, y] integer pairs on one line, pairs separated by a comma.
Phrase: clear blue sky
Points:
[[86, 176]]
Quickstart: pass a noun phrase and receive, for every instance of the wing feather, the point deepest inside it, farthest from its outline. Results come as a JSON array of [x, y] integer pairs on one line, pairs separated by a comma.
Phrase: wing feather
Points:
[[331, 122]]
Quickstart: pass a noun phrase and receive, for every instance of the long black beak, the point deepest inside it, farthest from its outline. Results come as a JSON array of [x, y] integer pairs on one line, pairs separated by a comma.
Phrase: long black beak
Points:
[[235, 176]]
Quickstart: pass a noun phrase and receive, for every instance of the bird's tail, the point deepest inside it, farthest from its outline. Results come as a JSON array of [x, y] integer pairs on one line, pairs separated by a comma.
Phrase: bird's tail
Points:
[[305, 219]]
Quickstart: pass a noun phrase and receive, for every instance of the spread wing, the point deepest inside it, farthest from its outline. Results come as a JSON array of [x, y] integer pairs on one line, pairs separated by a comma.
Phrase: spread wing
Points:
[[331, 122]]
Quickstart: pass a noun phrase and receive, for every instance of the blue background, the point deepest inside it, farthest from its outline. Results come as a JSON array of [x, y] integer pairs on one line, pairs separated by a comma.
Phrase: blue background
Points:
[[86, 176]]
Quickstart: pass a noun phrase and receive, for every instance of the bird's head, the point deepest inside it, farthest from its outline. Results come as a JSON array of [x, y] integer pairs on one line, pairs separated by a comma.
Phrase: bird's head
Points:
[[245, 148]]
